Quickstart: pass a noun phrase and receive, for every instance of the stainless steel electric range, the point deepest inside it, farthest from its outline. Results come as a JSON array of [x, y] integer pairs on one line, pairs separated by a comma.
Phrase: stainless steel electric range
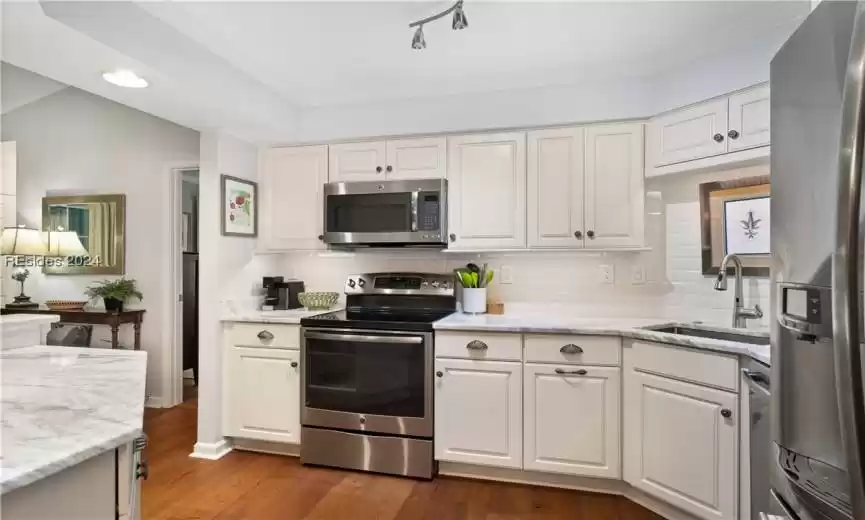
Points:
[[366, 387]]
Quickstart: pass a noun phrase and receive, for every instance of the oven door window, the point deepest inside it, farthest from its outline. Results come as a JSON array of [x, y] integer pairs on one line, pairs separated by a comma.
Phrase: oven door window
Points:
[[369, 213], [365, 377]]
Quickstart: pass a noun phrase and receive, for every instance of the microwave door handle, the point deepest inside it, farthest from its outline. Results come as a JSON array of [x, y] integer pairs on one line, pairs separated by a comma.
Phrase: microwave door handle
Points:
[[845, 275], [414, 210]]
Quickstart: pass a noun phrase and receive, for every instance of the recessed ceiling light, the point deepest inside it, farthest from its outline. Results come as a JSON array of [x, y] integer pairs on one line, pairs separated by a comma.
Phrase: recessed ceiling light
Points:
[[125, 78]]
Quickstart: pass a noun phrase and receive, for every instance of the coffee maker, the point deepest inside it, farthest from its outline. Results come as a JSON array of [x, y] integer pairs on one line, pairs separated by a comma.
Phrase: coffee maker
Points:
[[281, 294]]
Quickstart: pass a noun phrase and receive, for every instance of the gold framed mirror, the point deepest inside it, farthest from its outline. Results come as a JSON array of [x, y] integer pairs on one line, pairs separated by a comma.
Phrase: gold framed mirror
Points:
[[87, 232]]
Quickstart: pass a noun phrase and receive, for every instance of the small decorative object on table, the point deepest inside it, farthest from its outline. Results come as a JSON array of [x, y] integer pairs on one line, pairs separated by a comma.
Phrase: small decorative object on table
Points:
[[114, 293], [22, 301], [474, 280], [318, 300], [65, 305]]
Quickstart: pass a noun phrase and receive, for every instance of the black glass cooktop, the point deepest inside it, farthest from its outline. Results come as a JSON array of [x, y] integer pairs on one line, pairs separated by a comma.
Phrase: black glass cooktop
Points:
[[381, 319]]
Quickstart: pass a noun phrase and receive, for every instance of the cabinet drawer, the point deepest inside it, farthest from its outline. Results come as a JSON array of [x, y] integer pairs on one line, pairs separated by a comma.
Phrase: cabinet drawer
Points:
[[488, 345], [263, 335], [590, 350], [708, 368]]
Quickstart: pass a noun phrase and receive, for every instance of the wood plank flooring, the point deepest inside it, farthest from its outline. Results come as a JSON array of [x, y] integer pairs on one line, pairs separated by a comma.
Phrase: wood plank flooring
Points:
[[249, 486]]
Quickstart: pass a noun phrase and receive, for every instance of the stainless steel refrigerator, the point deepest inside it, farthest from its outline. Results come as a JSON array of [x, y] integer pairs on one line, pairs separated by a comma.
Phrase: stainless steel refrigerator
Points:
[[818, 129]]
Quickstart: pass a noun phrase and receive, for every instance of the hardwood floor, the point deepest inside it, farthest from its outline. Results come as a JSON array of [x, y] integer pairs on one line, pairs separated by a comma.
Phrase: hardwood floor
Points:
[[251, 486]]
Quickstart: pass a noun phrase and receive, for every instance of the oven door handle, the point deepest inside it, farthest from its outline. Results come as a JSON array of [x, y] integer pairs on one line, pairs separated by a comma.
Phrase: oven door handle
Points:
[[362, 338]]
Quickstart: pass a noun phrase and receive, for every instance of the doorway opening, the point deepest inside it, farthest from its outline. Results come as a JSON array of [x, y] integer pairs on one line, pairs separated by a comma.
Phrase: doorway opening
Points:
[[189, 282]]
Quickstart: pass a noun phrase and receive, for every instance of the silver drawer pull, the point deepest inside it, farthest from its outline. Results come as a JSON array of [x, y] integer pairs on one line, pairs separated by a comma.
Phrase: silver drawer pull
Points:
[[571, 349], [477, 345], [579, 372], [265, 335]]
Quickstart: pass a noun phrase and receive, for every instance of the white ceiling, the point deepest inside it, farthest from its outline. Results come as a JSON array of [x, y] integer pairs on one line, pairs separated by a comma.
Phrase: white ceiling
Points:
[[254, 67]]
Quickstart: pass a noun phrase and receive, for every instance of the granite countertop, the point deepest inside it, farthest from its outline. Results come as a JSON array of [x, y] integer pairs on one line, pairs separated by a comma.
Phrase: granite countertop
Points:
[[63, 405], [528, 319], [290, 317]]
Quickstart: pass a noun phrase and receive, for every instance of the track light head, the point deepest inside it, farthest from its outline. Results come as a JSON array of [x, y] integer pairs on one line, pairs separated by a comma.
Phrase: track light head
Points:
[[460, 20], [418, 42]]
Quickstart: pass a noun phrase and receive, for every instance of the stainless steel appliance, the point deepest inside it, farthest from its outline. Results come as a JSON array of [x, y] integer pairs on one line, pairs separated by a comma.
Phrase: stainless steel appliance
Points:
[[281, 294], [818, 406], [756, 378], [387, 213], [366, 384]]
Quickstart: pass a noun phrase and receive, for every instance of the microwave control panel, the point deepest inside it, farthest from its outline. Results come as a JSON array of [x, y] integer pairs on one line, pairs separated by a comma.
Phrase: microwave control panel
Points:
[[428, 211]]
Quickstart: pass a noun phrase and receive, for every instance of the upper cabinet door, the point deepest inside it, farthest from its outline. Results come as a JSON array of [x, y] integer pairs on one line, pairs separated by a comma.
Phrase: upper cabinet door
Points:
[[555, 188], [363, 161], [690, 133], [292, 196], [417, 158], [614, 185], [749, 119], [681, 444], [487, 191]]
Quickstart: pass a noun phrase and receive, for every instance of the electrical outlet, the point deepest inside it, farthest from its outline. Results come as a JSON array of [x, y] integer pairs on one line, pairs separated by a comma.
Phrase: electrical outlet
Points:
[[608, 273], [506, 275], [638, 275]]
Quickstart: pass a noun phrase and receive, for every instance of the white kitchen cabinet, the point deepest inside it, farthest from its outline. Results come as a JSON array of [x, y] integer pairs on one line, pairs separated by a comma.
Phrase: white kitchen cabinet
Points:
[[262, 399], [690, 133], [614, 198], [363, 161], [292, 195], [487, 191], [424, 158], [478, 412], [681, 444], [555, 188], [572, 420], [749, 119]]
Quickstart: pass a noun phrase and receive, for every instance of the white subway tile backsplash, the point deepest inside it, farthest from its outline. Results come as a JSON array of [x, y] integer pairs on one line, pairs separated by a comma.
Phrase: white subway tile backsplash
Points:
[[673, 268]]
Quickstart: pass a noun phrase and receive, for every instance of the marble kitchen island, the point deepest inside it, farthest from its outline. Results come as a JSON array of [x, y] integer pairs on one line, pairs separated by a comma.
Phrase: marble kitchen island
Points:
[[70, 417]]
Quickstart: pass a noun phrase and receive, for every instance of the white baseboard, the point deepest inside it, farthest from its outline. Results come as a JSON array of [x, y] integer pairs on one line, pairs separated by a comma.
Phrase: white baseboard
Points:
[[592, 485], [154, 401], [210, 450]]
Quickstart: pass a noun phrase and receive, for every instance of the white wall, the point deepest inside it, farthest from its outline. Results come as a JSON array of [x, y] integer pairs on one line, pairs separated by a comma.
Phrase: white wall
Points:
[[227, 271], [73, 142], [634, 98], [675, 284]]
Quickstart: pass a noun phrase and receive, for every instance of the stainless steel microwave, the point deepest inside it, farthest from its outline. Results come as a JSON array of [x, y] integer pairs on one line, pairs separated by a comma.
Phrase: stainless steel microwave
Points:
[[387, 213]]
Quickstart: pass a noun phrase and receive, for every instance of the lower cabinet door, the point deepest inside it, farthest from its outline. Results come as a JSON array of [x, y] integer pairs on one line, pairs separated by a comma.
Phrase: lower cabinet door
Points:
[[572, 420], [478, 412], [263, 394], [681, 444]]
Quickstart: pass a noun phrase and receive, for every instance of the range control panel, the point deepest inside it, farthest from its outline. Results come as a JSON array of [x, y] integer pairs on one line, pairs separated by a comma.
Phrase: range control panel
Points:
[[401, 283]]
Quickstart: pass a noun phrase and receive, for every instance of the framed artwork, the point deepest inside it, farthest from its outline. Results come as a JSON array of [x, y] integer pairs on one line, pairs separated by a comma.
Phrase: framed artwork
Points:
[[735, 218], [239, 207]]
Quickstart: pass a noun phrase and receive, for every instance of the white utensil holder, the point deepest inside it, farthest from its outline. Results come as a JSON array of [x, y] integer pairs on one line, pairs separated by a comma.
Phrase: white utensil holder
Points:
[[475, 300]]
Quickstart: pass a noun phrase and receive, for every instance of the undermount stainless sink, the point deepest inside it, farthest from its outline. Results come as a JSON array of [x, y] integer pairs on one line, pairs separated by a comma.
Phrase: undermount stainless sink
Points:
[[711, 334]]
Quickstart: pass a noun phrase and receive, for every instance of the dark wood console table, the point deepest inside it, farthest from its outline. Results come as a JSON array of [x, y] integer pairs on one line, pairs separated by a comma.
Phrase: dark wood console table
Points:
[[94, 317]]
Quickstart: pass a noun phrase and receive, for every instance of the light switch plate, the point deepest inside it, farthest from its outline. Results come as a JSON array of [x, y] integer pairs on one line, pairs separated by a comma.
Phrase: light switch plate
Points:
[[507, 275], [638, 275]]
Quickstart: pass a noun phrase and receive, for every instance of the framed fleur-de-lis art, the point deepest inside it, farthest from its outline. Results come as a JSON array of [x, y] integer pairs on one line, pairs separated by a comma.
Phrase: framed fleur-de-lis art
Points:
[[735, 218]]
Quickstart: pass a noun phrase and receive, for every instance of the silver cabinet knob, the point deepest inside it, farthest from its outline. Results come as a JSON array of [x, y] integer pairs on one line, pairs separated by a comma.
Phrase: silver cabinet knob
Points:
[[718, 138], [389, 168], [265, 335], [578, 372], [453, 237], [294, 364], [477, 345], [726, 413], [578, 234], [440, 374], [571, 349], [590, 234], [378, 169], [733, 134]]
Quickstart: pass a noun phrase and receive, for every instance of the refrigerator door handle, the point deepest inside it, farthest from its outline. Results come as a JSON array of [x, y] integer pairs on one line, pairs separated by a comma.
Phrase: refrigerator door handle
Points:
[[845, 276]]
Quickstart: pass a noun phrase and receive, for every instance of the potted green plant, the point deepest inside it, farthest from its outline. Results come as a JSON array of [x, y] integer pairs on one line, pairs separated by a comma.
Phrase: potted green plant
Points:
[[114, 293]]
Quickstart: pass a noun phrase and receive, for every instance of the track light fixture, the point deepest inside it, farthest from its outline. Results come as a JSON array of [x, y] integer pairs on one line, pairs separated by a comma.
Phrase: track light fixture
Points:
[[459, 22], [417, 41]]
